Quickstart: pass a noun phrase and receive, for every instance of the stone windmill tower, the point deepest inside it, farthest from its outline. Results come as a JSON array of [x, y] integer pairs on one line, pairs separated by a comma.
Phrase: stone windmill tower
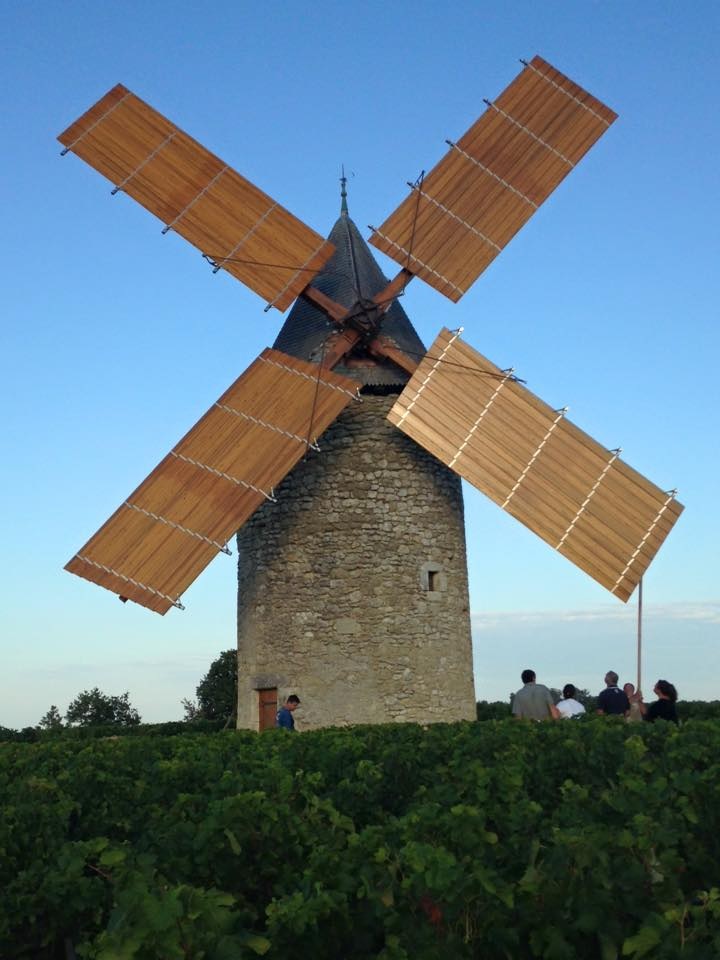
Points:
[[353, 588], [353, 584]]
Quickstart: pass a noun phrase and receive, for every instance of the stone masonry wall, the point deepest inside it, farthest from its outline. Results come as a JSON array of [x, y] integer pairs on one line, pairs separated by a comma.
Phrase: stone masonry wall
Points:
[[353, 586]]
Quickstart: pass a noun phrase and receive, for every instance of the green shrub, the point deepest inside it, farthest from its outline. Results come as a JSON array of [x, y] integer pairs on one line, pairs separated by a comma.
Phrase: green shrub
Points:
[[699, 709], [488, 840], [492, 709], [172, 728]]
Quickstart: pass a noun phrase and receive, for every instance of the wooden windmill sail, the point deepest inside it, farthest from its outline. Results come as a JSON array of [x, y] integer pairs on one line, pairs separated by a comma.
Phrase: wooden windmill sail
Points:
[[582, 499]]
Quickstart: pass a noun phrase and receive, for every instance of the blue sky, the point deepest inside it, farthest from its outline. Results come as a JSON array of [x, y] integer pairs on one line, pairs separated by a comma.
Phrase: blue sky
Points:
[[115, 338]]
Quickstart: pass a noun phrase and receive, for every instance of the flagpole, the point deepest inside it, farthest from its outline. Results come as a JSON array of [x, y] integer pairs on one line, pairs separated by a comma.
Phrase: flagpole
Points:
[[639, 637]]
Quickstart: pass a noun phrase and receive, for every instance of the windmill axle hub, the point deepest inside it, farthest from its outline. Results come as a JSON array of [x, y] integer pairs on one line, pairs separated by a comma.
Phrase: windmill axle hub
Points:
[[364, 317]]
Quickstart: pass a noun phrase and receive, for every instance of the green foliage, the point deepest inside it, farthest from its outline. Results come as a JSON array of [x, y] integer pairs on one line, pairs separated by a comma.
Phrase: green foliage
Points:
[[587, 699], [191, 710], [699, 709], [499, 840], [95, 708], [492, 709], [171, 728], [217, 691], [26, 735], [52, 719]]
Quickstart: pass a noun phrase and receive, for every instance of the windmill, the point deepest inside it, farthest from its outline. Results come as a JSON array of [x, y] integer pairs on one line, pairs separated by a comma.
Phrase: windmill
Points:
[[353, 581]]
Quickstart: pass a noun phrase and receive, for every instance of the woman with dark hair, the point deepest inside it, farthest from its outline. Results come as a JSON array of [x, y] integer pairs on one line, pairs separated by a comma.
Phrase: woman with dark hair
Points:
[[569, 706], [664, 707]]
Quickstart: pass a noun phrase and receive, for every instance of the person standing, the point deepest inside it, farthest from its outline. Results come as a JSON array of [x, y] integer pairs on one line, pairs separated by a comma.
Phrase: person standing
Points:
[[284, 718], [635, 700], [664, 707], [569, 706], [612, 701], [533, 701]]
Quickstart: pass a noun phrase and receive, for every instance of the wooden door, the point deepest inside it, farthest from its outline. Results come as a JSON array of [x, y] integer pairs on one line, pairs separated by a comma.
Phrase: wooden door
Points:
[[267, 708]]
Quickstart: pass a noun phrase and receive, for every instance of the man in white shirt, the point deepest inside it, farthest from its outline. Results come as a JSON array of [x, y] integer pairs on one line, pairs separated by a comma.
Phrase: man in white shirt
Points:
[[569, 706]]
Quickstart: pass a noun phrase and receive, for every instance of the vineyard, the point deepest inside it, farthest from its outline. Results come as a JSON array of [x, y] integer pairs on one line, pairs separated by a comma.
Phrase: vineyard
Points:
[[565, 841]]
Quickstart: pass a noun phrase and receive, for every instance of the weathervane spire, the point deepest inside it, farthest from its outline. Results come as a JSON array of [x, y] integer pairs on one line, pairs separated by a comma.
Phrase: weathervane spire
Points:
[[343, 192]]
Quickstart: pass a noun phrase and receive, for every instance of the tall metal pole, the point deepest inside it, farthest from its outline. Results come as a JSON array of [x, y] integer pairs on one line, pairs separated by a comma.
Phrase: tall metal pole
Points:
[[639, 637]]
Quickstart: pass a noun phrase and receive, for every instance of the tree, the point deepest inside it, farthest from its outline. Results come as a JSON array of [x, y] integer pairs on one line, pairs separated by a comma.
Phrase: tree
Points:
[[52, 719], [95, 708], [192, 710], [217, 691], [587, 699]]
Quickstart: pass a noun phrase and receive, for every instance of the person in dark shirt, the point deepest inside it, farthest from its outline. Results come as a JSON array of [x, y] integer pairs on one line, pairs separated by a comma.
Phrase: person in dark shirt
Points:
[[284, 718], [664, 707], [612, 701]]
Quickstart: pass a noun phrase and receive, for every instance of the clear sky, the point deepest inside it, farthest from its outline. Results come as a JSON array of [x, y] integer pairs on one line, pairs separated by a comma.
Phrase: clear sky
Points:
[[116, 339]]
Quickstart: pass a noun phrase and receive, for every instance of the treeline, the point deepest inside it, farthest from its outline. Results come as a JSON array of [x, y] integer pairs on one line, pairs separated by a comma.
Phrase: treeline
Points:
[[486, 710], [561, 841], [171, 728], [93, 713]]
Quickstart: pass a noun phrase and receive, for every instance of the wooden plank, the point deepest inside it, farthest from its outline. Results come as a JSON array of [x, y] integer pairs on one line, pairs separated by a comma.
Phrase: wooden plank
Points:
[[555, 499], [519, 150], [574, 452], [551, 476], [573, 89], [196, 194], [167, 531], [332, 309], [381, 346], [575, 455]]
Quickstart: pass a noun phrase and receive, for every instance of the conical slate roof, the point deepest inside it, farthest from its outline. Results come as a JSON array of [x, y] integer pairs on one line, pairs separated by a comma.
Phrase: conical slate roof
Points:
[[351, 274]]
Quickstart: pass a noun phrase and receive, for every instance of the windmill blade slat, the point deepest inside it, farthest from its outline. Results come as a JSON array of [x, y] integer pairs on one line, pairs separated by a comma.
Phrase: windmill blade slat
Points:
[[493, 467], [597, 555], [610, 515], [493, 179], [521, 408], [109, 572], [579, 497], [543, 508], [506, 207], [551, 507], [559, 124], [197, 195], [167, 531]]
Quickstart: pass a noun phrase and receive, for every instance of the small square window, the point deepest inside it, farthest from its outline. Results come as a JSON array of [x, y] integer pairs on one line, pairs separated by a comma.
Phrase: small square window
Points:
[[433, 578]]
